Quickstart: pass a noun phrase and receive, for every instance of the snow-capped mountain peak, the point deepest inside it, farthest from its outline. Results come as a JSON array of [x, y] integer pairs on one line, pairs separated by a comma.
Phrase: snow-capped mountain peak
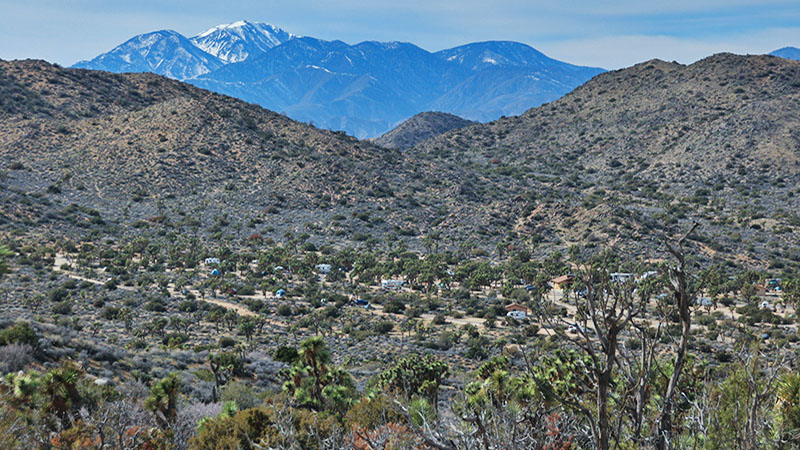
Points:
[[235, 42], [164, 52], [225, 26]]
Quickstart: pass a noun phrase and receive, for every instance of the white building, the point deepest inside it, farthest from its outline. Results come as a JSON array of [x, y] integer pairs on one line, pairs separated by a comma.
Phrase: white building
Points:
[[620, 277], [210, 261], [392, 285], [705, 301], [647, 275]]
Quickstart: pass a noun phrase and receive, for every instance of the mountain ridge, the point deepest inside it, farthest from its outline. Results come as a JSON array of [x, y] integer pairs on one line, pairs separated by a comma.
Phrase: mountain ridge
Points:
[[137, 146], [364, 88], [787, 52], [650, 146], [164, 52]]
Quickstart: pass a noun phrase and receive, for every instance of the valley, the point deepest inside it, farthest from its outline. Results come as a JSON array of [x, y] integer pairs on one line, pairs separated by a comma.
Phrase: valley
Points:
[[183, 269]]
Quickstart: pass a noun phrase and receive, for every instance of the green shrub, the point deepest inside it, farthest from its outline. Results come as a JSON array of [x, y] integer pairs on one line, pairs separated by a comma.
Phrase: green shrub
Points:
[[284, 310], [227, 342], [173, 340], [384, 326], [19, 333], [247, 290], [58, 295], [188, 306], [62, 308], [285, 354], [111, 284], [395, 306], [477, 348], [531, 330], [155, 306], [109, 313]]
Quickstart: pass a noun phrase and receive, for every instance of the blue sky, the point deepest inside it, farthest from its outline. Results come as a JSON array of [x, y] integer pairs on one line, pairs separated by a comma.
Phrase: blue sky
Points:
[[609, 34]]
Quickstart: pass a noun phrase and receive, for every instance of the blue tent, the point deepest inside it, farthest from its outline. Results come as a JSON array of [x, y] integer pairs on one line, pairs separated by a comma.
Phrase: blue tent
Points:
[[216, 272], [280, 293]]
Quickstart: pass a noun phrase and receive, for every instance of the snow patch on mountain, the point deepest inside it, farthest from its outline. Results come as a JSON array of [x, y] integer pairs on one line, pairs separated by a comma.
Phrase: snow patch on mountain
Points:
[[237, 41]]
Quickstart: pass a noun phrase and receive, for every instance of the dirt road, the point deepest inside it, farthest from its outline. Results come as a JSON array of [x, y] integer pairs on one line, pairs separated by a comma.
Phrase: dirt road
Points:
[[61, 260]]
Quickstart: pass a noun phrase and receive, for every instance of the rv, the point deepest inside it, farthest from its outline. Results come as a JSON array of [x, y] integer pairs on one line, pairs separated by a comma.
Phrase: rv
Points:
[[392, 285]]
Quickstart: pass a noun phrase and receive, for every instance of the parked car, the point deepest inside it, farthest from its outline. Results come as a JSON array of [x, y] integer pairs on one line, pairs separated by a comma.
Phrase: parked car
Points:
[[575, 328]]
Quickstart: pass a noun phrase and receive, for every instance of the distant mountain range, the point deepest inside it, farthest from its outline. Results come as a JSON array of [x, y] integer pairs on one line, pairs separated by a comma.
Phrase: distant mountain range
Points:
[[365, 89], [788, 53]]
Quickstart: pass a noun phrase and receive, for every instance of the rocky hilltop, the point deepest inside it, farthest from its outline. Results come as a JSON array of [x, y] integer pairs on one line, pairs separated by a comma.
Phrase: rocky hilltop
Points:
[[419, 128]]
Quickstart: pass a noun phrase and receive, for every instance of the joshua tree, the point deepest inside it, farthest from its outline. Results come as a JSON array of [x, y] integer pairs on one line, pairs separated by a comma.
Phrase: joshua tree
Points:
[[163, 399], [5, 253], [247, 327], [415, 376]]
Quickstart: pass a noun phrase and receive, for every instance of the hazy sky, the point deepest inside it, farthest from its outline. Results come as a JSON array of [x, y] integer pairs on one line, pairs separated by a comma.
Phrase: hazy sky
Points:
[[609, 34]]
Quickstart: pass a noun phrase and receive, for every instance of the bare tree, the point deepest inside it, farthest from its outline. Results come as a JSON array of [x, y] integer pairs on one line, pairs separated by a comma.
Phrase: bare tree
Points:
[[12, 426], [637, 368], [684, 295], [120, 424], [496, 426], [609, 310], [284, 423], [761, 373], [186, 421]]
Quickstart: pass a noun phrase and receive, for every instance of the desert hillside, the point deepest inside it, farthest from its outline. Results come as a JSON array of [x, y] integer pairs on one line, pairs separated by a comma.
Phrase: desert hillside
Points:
[[625, 158], [420, 127], [636, 150]]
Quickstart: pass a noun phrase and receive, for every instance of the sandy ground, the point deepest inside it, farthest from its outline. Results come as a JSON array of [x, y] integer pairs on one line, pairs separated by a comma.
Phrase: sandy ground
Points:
[[61, 260]]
